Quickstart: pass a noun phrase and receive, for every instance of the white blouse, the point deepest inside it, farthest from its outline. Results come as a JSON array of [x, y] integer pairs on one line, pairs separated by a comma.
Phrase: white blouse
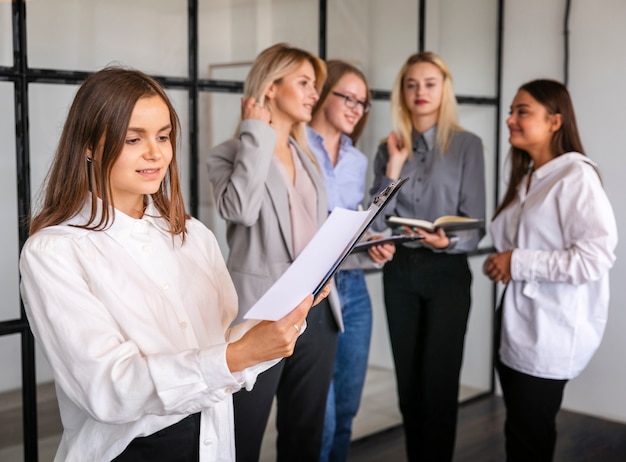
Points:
[[564, 234], [135, 326]]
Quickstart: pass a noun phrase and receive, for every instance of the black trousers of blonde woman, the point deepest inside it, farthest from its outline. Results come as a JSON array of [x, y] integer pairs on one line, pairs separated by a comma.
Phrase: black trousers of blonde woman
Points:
[[427, 299]]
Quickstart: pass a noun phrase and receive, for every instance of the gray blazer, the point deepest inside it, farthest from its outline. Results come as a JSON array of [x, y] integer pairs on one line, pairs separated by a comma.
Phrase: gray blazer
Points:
[[252, 198]]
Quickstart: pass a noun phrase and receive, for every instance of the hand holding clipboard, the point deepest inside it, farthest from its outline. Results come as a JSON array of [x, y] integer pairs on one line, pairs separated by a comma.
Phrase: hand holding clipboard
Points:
[[320, 259]]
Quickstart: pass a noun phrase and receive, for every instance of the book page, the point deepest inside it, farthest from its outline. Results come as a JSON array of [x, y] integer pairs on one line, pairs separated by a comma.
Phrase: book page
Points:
[[401, 221], [448, 223], [453, 219]]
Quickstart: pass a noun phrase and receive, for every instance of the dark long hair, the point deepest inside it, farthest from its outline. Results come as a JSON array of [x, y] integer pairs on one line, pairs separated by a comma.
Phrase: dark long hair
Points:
[[97, 124], [336, 70], [556, 99]]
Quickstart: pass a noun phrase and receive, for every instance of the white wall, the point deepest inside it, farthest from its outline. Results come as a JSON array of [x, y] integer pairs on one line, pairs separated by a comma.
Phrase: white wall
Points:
[[597, 77]]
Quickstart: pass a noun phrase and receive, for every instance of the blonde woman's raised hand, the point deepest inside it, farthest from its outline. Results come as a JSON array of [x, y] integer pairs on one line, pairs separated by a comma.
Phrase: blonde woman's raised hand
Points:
[[250, 109], [398, 154]]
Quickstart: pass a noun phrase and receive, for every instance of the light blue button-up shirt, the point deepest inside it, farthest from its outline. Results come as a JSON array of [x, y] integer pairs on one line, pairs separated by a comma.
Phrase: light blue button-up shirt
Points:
[[345, 182]]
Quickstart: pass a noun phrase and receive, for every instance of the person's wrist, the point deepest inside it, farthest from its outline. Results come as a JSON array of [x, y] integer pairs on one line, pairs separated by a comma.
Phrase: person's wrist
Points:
[[393, 173], [236, 359], [452, 242]]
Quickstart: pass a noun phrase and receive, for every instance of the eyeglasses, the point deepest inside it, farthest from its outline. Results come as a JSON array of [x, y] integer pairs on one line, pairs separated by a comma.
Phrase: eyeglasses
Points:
[[352, 103]]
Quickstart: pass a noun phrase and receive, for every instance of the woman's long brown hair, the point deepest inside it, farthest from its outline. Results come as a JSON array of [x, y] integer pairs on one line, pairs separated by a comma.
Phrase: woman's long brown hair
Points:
[[91, 142], [556, 99]]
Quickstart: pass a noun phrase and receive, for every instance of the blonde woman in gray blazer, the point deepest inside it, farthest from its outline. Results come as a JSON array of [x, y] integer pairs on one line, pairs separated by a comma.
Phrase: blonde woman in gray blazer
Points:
[[270, 191], [252, 198]]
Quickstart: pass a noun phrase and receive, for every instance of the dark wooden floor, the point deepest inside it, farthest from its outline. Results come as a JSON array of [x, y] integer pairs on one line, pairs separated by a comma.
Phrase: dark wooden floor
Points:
[[480, 438]]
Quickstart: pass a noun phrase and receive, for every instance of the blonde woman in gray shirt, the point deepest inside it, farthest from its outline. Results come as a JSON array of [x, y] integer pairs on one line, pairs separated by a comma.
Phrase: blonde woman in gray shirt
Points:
[[427, 285]]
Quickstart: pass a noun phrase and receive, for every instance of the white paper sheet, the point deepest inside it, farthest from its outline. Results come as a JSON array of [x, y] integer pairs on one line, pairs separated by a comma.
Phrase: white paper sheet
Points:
[[302, 277]]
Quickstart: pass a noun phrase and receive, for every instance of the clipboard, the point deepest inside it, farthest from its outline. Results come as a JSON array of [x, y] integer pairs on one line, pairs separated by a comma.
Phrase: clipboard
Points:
[[376, 207], [393, 239], [311, 271]]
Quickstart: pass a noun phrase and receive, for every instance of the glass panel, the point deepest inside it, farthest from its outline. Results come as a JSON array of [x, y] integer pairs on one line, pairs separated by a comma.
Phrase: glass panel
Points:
[[9, 244], [265, 22], [465, 35], [378, 128], [10, 358], [150, 35], [6, 35], [219, 114], [481, 120], [48, 419], [11, 447], [378, 412], [477, 369], [377, 36], [49, 104]]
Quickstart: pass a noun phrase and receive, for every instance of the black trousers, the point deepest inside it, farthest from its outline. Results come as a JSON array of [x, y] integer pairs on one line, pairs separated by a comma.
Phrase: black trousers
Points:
[[427, 298], [176, 443], [532, 404], [300, 384]]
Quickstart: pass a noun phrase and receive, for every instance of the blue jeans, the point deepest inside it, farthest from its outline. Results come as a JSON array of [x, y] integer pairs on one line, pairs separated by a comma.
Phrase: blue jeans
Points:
[[345, 391]]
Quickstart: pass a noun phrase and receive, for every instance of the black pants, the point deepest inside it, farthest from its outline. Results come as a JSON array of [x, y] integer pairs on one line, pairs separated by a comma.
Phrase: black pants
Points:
[[532, 404], [300, 384], [427, 298], [176, 443]]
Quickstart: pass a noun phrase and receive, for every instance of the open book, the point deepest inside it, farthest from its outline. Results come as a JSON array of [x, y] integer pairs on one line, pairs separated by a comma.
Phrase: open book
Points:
[[447, 223]]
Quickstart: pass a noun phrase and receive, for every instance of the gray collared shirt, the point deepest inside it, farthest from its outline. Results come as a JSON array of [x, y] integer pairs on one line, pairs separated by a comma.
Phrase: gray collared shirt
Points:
[[438, 185]]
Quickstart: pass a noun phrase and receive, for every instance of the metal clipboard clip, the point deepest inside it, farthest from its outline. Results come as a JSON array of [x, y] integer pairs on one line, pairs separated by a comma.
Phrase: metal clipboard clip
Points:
[[378, 204], [383, 197]]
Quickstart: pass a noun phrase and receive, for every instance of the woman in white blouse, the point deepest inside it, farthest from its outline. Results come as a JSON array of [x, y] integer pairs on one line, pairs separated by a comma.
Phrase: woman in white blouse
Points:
[[555, 233], [130, 297]]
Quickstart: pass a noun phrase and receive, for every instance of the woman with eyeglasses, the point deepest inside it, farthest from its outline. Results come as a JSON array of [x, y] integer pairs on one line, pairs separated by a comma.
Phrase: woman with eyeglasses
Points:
[[427, 284], [270, 191], [338, 121]]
